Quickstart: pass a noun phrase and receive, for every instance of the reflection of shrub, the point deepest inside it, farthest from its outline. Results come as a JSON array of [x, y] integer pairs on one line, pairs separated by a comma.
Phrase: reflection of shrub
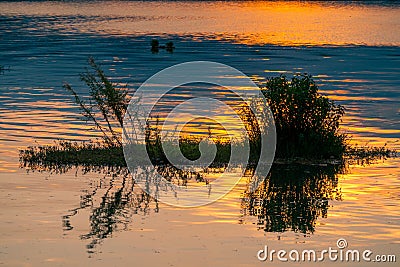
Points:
[[306, 122], [292, 197]]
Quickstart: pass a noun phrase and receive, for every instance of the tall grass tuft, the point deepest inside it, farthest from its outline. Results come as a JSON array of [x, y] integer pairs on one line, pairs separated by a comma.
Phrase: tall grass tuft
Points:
[[106, 105]]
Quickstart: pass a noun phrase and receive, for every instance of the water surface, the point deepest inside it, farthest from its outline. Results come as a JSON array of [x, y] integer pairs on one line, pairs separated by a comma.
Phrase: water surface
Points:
[[47, 218]]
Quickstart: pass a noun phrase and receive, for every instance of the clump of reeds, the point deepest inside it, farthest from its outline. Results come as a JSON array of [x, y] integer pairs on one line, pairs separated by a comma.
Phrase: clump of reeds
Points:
[[106, 105], [66, 153], [307, 125]]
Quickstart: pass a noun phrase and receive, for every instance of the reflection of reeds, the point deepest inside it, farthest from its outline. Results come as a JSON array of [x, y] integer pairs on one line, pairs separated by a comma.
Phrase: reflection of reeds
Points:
[[119, 199], [115, 198], [293, 197]]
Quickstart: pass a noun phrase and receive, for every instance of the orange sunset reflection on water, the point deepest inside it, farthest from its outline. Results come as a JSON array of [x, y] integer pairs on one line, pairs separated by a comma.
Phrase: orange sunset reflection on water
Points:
[[254, 22]]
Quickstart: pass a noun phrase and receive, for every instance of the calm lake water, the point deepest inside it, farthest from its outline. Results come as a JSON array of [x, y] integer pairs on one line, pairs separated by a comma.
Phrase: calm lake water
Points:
[[99, 217]]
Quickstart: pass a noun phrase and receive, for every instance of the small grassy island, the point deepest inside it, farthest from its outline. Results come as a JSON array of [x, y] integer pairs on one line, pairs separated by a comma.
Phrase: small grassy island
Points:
[[307, 126]]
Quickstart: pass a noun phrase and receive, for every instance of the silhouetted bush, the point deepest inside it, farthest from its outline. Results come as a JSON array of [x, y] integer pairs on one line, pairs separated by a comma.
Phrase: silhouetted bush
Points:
[[307, 123]]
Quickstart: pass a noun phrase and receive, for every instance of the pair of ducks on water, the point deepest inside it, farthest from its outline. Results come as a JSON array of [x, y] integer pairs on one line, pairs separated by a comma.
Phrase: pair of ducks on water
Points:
[[155, 46]]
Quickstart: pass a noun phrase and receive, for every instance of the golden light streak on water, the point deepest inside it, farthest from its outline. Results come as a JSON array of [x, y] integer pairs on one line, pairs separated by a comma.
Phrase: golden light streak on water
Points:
[[255, 22]]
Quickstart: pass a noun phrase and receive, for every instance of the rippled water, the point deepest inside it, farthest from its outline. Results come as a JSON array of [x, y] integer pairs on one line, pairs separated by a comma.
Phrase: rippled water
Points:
[[351, 49]]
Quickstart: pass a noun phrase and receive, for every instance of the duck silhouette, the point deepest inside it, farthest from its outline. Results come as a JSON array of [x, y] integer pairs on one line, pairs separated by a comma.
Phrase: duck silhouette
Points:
[[155, 46]]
